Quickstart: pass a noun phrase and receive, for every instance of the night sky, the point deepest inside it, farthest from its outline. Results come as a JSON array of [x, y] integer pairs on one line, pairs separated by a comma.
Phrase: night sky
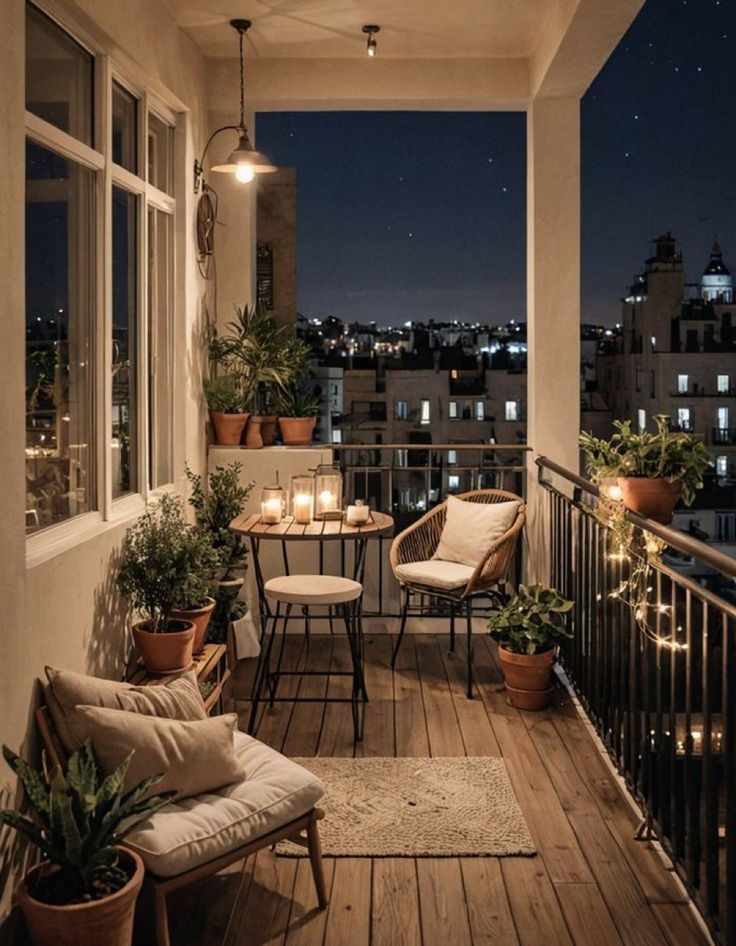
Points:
[[406, 215]]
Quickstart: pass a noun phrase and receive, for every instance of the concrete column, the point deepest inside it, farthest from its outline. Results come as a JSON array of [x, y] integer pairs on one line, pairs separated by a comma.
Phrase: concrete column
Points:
[[553, 300]]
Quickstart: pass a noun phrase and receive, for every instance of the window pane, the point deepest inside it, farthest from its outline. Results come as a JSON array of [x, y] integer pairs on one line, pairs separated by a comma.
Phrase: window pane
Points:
[[58, 77], [124, 128], [124, 343], [160, 342], [59, 421], [160, 154]]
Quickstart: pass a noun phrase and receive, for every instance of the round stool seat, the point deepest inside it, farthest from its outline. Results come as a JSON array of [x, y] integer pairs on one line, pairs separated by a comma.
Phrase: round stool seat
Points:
[[313, 589]]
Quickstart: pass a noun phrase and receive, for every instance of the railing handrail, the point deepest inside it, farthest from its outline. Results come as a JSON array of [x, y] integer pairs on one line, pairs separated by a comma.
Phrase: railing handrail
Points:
[[508, 447], [675, 538]]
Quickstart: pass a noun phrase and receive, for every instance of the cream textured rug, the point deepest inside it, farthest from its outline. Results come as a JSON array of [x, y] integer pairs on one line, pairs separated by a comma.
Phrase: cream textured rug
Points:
[[385, 807]]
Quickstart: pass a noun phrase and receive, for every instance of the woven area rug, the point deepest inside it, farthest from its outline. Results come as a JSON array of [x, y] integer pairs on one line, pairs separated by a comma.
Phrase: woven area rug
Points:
[[385, 807]]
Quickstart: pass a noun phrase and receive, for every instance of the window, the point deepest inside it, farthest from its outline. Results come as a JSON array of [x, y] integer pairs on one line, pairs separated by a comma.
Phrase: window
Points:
[[424, 417], [160, 154], [512, 410], [453, 410], [124, 128], [453, 481], [59, 76], [451, 457], [124, 342], [722, 465], [402, 410], [642, 420], [683, 381], [726, 526], [724, 383], [722, 416], [337, 435], [60, 475], [684, 418], [480, 410], [160, 348]]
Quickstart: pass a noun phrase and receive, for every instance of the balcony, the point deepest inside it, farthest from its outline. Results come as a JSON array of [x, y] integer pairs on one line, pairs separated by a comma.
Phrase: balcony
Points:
[[723, 436]]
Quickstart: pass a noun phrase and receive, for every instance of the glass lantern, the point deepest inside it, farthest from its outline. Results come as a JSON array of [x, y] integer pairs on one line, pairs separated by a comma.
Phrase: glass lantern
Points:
[[301, 496], [272, 504], [328, 492]]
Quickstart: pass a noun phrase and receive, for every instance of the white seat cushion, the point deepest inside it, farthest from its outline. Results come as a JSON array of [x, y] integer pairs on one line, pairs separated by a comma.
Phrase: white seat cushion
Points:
[[446, 576], [472, 528], [313, 589], [190, 832]]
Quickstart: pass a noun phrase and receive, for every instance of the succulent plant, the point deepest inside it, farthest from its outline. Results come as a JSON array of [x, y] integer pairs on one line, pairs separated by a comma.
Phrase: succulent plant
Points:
[[80, 818]]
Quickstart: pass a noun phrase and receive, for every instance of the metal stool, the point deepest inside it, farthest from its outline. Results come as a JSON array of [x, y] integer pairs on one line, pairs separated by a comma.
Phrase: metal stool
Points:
[[340, 596]]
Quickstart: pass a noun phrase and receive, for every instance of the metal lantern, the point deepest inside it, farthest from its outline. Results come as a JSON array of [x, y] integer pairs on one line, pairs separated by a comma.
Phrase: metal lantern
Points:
[[301, 498], [272, 504], [327, 492]]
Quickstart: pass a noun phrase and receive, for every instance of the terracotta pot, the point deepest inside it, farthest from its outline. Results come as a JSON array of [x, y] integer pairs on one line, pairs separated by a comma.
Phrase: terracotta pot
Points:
[[106, 922], [253, 438], [527, 677], [228, 427], [297, 431], [652, 498], [166, 652], [200, 618], [268, 429]]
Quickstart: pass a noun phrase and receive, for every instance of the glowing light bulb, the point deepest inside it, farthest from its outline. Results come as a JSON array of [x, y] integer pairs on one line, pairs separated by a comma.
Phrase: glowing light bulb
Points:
[[244, 173]]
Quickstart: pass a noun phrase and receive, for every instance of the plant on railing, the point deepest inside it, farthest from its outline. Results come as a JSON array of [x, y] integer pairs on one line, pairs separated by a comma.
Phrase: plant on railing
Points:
[[80, 819]]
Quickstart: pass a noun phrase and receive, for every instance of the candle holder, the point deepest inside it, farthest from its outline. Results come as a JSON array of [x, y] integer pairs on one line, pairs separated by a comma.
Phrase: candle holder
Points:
[[301, 497], [328, 492], [272, 504]]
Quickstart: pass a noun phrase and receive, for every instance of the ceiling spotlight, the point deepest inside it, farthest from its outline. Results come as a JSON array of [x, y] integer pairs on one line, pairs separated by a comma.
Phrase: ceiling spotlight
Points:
[[371, 45]]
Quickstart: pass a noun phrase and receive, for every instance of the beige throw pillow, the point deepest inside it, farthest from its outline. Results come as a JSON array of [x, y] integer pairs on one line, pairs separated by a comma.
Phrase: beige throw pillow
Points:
[[472, 528], [195, 757], [66, 691], [178, 699]]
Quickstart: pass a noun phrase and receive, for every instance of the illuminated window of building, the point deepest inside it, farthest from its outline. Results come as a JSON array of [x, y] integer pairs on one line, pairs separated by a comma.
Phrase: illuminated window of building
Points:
[[683, 381], [424, 417], [512, 410], [480, 410], [453, 481], [453, 410], [684, 418], [724, 383], [642, 419], [452, 457], [402, 410], [722, 465]]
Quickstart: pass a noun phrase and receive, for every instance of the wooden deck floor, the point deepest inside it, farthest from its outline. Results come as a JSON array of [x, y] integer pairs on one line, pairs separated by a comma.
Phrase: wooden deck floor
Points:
[[591, 884]]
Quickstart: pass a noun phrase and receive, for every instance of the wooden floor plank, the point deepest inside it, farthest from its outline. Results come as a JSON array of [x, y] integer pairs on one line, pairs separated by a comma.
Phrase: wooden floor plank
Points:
[[443, 729], [378, 739], [349, 916], [265, 913], [307, 922], [273, 722], [475, 726], [535, 908], [411, 723], [395, 903], [679, 924], [305, 727], [337, 736], [489, 913], [442, 902], [587, 916], [221, 894]]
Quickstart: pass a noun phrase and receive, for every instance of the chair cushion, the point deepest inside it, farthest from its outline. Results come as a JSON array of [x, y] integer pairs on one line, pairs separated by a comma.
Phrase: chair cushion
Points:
[[177, 699], [472, 528], [187, 833], [313, 589], [193, 757], [447, 576]]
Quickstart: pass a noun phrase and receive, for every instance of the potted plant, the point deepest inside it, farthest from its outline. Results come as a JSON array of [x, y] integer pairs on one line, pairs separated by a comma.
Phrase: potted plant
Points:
[[84, 892], [214, 510], [194, 602], [652, 469], [160, 556], [226, 409], [528, 629], [298, 408]]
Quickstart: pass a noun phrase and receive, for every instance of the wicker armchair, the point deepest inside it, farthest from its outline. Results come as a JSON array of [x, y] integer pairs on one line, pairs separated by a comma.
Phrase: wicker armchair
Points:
[[419, 543]]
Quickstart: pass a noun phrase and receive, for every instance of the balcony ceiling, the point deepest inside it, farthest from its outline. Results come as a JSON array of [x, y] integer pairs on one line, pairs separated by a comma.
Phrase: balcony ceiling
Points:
[[332, 28]]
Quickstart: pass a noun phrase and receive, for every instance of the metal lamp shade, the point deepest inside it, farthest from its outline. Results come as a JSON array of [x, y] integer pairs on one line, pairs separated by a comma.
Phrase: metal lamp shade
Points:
[[245, 155]]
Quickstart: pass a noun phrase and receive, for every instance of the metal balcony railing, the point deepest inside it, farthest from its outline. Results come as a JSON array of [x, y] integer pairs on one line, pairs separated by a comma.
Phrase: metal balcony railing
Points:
[[653, 661], [724, 435]]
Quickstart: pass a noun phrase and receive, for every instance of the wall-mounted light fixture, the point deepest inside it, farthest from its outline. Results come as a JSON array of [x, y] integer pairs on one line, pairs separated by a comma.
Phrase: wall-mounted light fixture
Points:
[[371, 45], [244, 162]]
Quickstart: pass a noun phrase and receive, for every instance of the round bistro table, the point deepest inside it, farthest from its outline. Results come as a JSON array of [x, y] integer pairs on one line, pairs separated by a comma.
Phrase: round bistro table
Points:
[[320, 531]]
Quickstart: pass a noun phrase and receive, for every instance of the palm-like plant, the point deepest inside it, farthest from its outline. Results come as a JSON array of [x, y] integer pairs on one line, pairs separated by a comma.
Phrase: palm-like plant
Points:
[[80, 818]]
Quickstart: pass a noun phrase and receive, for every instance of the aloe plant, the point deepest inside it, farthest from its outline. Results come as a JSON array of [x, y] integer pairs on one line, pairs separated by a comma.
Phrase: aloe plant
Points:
[[80, 818], [533, 620]]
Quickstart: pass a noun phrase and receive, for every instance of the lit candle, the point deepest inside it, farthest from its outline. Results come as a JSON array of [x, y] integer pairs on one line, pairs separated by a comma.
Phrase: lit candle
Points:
[[271, 510], [615, 493], [327, 501], [302, 509]]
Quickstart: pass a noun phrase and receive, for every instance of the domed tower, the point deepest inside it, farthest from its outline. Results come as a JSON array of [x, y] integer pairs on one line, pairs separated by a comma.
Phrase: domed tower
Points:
[[716, 284]]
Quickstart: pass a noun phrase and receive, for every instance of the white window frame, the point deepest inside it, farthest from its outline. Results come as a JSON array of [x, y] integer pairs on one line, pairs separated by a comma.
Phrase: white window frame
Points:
[[52, 541]]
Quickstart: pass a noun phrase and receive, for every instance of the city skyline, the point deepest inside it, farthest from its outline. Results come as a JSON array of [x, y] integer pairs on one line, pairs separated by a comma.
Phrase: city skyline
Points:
[[379, 239]]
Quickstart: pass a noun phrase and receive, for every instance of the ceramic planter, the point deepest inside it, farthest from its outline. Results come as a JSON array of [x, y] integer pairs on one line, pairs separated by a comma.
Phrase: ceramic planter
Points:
[[228, 427], [268, 429], [200, 618], [652, 498], [167, 652], [253, 438], [527, 677], [105, 922], [297, 431]]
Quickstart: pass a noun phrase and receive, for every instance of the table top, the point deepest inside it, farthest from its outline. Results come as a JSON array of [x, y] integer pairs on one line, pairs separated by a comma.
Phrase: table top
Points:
[[320, 530]]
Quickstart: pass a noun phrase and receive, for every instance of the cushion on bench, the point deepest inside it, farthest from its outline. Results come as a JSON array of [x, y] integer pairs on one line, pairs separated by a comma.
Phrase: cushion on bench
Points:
[[190, 832]]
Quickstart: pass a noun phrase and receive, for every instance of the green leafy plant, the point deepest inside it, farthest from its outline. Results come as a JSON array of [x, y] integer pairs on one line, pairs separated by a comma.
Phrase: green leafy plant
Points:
[[672, 455], [80, 817], [165, 563], [297, 400], [216, 507], [534, 620], [223, 395]]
